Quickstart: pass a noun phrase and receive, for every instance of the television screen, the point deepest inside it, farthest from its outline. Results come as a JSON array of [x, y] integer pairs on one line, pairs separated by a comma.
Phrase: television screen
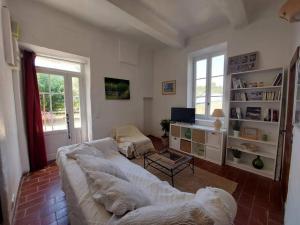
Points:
[[184, 115]]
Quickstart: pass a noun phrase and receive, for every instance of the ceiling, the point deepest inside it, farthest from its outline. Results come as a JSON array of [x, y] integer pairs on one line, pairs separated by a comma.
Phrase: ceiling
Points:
[[168, 22]]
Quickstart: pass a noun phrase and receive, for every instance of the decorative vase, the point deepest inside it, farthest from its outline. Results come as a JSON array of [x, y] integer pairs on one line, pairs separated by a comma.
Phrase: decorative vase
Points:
[[258, 163], [188, 134], [236, 133], [236, 160]]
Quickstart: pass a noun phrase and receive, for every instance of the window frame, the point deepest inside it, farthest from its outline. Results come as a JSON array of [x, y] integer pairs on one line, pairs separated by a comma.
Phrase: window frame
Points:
[[209, 76]]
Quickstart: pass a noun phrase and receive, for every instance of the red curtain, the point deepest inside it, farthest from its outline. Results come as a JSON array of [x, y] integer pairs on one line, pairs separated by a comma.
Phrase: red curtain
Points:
[[35, 134]]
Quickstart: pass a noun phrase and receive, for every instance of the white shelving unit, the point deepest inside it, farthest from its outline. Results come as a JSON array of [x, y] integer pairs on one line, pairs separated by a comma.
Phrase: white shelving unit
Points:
[[199, 141], [267, 150]]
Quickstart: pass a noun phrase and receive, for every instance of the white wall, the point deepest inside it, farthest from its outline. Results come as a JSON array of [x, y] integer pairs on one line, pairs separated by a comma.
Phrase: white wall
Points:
[[268, 35], [10, 163], [292, 215], [48, 28]]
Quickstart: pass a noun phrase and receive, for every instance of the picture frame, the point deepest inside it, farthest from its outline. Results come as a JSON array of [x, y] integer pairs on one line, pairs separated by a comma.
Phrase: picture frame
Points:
[[250, 133], [244, 62], [169, 87], [116, 89]]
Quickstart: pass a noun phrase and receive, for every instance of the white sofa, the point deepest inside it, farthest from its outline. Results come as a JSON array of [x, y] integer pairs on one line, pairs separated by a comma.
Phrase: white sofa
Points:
[[83, 210]]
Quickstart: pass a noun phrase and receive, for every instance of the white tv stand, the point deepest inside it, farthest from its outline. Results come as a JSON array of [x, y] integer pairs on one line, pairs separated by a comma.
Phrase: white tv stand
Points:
[[204, 142]]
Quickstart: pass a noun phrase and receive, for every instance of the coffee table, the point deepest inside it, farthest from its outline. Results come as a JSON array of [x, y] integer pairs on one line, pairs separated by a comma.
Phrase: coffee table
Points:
[[169, 162]]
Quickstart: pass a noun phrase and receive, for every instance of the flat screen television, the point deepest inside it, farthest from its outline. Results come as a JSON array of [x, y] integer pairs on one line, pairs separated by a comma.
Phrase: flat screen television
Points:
[[184, 115]]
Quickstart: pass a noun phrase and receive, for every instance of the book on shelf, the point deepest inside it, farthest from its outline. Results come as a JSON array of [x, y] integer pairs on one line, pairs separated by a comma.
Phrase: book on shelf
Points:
[[236, 113], [271, 115], [253, 113], [277, 80]]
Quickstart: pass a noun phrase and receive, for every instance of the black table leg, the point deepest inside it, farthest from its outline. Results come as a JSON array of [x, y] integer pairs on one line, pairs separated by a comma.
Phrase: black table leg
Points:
[[193, 165], [172, 177]]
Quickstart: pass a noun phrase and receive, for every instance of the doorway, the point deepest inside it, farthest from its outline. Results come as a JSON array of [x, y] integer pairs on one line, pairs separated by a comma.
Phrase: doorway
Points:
[[288, 138], [60, 88]]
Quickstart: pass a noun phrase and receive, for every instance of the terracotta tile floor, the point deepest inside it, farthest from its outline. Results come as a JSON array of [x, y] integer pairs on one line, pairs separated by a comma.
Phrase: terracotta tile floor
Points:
[[42, 202]]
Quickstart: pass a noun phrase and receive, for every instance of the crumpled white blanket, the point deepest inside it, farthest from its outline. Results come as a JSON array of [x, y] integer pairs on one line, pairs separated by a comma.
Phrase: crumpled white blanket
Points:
[[131, 134]]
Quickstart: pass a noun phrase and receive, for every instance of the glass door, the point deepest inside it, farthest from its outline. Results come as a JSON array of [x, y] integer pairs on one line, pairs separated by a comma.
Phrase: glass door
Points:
[[61, 110]]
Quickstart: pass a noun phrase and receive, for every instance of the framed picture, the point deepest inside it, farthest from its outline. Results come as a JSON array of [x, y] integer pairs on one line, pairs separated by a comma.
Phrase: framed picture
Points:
[[169, 87], [116, 89], [250, 133], [243, 62]]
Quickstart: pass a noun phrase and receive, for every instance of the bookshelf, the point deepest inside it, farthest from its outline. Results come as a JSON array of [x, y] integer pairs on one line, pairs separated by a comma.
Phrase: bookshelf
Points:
[[255, 105]]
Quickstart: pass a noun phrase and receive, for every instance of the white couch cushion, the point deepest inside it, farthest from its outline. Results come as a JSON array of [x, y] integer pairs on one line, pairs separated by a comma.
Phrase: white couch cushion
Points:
[[84, 149], [91, 163], [107, 146], [188, 213], [118, 196]]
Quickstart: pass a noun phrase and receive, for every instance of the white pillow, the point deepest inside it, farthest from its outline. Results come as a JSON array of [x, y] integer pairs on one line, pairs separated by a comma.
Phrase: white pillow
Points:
[[118, 196], [91, 163], [188, 213], [219, 204], [107, 146], [84, 149]]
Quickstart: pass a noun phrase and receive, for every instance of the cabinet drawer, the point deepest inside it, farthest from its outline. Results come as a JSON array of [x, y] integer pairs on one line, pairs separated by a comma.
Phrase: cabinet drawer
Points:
[[185, 146], [175, 131], [198, 136], [213, 138], [213, 154], [175, 143]]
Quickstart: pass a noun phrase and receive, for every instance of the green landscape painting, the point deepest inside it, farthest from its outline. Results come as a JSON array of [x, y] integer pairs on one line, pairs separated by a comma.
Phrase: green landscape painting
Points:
[[116, 89]]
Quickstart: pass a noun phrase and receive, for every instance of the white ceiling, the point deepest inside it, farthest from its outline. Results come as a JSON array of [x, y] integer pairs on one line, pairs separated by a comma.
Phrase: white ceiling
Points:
[[190, 17], [162, 21]]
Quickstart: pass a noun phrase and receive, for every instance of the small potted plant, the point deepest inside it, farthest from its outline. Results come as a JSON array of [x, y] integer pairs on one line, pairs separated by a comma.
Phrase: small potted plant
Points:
[[236, 128], [236, 155], [165, 126]]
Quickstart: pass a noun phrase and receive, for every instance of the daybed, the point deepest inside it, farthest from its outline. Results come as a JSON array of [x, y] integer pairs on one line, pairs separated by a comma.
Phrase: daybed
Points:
[[132, 142], [83, 210]]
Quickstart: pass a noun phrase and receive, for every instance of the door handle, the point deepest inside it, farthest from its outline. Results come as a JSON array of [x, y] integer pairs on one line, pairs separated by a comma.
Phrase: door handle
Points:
[[68, 125], [282, 131]]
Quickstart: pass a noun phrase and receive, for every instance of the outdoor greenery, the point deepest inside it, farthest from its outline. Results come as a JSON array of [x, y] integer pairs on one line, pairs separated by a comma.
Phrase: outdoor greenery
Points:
[[52, 86], [216, 90]]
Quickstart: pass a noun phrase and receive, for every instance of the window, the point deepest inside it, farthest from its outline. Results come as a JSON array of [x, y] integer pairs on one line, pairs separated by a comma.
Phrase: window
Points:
[[208, 84], [46, 62], [52, 100]]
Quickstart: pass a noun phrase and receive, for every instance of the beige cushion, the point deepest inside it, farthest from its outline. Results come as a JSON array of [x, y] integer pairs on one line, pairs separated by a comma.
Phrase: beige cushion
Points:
[[118, 196], [91, 163]]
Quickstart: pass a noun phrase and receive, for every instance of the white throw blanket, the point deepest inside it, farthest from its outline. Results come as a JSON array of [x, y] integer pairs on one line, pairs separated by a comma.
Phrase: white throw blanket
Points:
[[130, 134]]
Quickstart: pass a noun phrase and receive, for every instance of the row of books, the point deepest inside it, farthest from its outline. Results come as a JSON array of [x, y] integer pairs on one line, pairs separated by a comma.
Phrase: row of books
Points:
[[272, 95], [238, 83], [257, 96], [255, 113]]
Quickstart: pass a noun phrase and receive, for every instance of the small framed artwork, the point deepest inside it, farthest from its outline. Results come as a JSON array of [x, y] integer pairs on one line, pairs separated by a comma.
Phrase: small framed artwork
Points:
[[169, 87], [250, 133]]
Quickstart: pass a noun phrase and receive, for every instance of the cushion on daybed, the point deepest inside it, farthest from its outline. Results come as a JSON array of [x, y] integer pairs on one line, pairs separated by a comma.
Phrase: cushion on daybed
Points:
[[91, 163], [118, 196], [188, 213], [84, 149]]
